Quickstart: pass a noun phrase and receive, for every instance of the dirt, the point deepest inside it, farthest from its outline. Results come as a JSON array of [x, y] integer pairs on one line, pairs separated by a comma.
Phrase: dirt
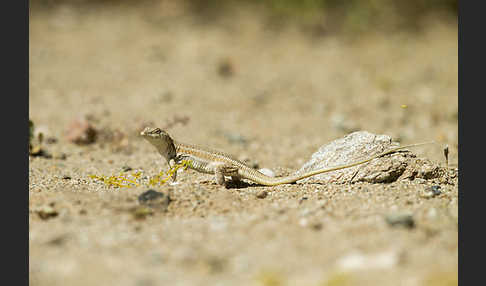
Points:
[[272, 98]]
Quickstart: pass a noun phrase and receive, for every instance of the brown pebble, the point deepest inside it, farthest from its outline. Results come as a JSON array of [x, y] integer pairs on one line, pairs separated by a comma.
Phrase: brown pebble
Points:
[[46, 212], [81, 132], [316, 225], [262, 194], [226, 68]]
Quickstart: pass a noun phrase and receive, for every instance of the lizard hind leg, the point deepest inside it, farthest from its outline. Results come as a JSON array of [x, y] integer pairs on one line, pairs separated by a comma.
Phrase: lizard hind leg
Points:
[[222, 170]]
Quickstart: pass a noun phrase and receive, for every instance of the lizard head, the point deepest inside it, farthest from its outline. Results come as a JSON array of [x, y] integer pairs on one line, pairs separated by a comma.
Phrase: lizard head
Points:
[[153, 132], [160, 140]]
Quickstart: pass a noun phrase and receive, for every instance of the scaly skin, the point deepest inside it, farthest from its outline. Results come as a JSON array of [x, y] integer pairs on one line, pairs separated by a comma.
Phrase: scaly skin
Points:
[[220, 164]]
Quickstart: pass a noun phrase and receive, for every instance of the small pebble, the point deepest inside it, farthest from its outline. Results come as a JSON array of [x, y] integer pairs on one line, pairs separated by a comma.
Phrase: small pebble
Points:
[[154, 199], [262, 194], [39, 152], [316, 225], [81, 132], [226, 68], [400, 219], [46, 212], [435, 190], [126, 168], [431, 192]]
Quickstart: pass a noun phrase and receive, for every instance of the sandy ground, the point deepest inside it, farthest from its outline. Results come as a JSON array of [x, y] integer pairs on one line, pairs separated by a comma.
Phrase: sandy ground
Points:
[[271, 97]]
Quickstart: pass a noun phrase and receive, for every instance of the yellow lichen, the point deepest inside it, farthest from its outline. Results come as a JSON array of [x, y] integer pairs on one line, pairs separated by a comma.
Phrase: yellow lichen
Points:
[[118, 181], [128, 180]]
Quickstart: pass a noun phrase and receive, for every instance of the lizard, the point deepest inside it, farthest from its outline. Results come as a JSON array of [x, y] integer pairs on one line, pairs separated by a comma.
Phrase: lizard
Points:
[[220, 164]]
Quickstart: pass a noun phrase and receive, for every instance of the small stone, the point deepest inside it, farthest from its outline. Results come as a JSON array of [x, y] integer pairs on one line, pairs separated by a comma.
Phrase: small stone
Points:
[[35, 151], [431, 192], [303, 199], [46, 212], [400, 219], [38, 151], [226, 68], [81, 132], [262, 194], [316, 225], [154, 199], [126, 168], [435, 190]]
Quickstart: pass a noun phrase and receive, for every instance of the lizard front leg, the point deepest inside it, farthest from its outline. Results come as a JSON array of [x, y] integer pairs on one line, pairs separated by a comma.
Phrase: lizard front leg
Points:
[[171, 164]]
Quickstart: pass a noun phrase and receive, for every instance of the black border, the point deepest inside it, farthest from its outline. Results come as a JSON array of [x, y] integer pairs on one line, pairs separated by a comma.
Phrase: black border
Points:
[[471, 84], [15, 159]]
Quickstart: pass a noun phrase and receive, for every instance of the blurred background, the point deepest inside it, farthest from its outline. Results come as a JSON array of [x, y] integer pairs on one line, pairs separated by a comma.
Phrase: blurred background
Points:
[[270, 81], [297, 73]]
